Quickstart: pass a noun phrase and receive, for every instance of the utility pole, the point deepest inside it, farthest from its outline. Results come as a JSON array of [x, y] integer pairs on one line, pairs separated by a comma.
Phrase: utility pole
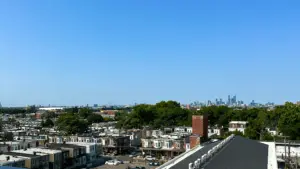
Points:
[[284, 148], [296, 160], [289, 148]]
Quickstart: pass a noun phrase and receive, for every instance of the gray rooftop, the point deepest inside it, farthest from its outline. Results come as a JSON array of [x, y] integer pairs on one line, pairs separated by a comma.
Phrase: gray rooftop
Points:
[[193, 157], [241, 153]]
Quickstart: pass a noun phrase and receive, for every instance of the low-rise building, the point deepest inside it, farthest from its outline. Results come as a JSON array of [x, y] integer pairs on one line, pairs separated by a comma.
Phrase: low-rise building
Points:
[[76, 156], [33, 160], [12, 161], [183, 129], [55, 156], [163, 146], [92, 150], [115, 144], [135, 137], [238, 126], [18, 145]]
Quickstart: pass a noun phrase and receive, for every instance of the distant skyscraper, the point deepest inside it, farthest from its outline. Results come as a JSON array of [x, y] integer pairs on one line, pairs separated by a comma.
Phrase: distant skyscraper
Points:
[[229, 100], [234, 99]]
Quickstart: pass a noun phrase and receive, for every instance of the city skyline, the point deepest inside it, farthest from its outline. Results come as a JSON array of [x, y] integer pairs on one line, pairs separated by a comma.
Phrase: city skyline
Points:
[[146, 51], [231, 100]]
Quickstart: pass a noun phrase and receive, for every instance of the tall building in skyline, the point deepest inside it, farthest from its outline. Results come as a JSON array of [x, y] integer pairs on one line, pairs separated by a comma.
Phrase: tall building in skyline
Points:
[[229, 100]]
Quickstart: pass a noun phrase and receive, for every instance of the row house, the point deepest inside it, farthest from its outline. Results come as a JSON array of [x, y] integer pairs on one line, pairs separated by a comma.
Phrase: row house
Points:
[[18, 145], [115, 144], [148, 133], [238, 126], [55, 156], [12, 161], [183, 129], [33, 160], [163, 143], [82, 139], [163, 147], [135, 137], [92, 150], [76, 156]]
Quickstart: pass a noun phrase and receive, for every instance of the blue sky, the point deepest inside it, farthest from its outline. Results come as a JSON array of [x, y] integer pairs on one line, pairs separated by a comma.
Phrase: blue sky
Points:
[[121, 52]]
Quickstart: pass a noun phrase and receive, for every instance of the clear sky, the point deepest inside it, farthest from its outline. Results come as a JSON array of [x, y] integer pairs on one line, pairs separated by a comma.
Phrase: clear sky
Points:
[[68, 52]]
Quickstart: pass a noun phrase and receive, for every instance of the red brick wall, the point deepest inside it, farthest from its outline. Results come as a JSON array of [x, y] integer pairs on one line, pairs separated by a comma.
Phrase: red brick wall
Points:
[[200, 125], [38, 115], [194, 140]]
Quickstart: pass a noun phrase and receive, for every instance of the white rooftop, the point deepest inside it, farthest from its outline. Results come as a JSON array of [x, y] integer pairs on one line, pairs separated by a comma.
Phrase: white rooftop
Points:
[[3, 158], [81, 143], [272, 159], [238, 122], [37, 150]]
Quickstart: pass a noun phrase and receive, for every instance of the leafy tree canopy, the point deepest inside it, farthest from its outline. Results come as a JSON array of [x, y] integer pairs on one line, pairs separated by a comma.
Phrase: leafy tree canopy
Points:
[[71, 123], [284, 119], [94, 118], [47, 123]]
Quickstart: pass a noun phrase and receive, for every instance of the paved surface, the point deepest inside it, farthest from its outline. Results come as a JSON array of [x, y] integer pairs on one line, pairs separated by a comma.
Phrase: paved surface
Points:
[[240, 153], [192, 158]]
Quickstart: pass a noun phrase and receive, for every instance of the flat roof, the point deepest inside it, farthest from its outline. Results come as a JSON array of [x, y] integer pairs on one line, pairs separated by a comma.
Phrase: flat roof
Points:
[[240, 153], [3, 158], [43, 150], [238, 122], [81, 143], [20, 154], [56, 145], [184, 163]]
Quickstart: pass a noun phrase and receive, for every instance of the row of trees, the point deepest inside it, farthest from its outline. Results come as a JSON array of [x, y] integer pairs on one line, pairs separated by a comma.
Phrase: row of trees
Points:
[[160, 115], [16, 110], [76, 120], [285, 118]]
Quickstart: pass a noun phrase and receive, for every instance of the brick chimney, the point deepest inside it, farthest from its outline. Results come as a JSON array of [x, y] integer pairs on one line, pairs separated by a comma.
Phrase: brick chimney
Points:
[[200, 125]]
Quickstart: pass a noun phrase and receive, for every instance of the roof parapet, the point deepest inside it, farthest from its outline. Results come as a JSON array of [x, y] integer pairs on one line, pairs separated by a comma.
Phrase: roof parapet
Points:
[[206, 157]]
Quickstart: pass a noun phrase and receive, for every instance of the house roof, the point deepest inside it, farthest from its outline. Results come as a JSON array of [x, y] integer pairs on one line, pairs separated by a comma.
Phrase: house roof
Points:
[[56, 145], [184, 163], [20, 154], [241, 153]]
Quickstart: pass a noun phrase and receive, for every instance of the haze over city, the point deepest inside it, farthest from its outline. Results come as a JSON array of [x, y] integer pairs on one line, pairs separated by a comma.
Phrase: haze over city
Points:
[[125, 52]]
